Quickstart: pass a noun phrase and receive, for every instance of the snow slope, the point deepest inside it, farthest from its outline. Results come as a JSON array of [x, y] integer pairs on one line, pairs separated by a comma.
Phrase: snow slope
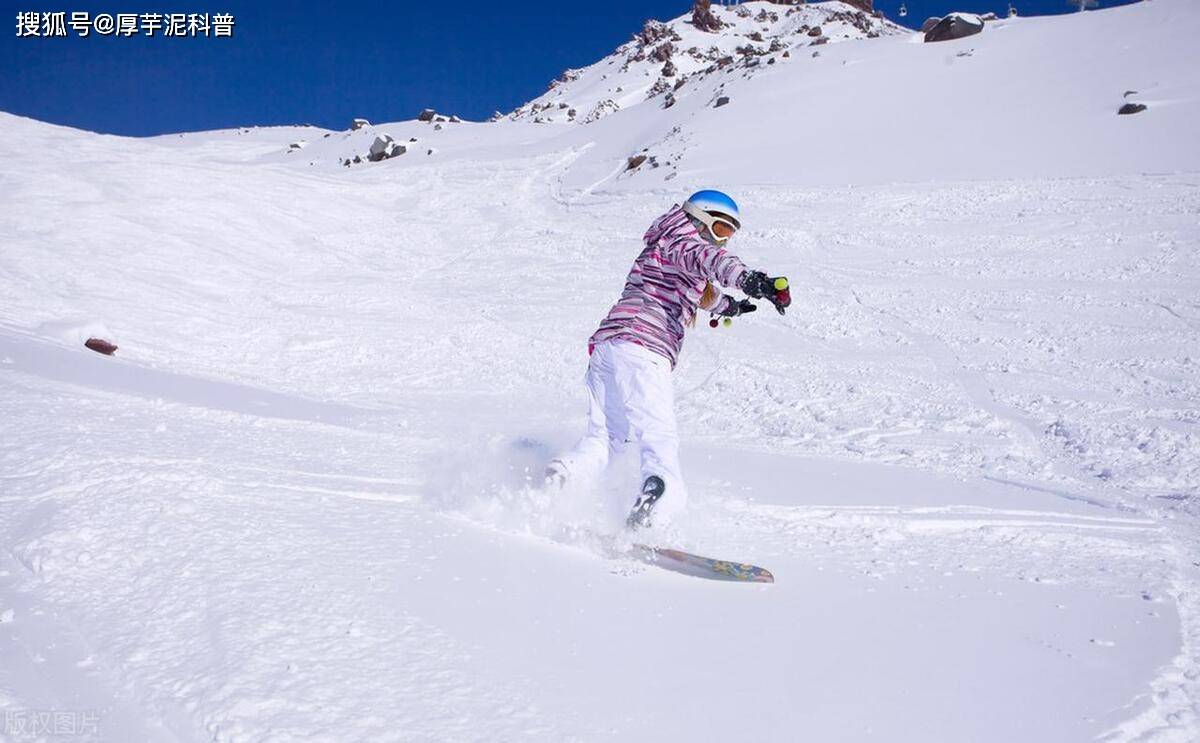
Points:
[[292, 506], [1028, 97]]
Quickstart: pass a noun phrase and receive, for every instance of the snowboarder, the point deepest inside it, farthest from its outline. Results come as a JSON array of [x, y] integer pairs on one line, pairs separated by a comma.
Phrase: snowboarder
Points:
[[630, 397]]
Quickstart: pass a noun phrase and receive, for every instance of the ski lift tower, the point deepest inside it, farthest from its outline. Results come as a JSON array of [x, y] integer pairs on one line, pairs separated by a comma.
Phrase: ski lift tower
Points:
[[903, 10]]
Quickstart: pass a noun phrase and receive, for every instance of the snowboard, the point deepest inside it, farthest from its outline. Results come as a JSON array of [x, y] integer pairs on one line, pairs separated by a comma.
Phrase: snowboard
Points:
[[677, 561], [698, 566]]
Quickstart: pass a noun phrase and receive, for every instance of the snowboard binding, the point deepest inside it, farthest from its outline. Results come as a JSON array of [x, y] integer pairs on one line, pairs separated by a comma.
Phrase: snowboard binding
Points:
[[652, 490]]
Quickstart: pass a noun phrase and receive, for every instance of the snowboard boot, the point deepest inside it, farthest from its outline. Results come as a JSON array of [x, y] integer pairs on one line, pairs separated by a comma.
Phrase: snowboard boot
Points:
[[555, 476], [652, 490]]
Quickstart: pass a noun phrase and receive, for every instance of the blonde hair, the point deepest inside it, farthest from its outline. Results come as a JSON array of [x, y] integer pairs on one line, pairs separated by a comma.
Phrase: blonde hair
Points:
[[708, 300]]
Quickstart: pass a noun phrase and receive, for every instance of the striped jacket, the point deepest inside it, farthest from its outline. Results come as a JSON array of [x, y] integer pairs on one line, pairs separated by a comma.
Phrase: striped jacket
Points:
[[664, 286]]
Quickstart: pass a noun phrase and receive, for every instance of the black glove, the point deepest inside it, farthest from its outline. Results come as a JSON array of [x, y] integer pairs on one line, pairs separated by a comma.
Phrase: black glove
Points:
[[772, 288], [738, 307]]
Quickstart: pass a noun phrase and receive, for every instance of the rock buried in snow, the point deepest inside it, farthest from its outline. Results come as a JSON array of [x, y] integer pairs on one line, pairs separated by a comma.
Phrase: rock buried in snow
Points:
[[384, 147], [358, 124], [1131, 108], [99, 345], [634, 162], [426, 114], [954, 26], [723, 100]]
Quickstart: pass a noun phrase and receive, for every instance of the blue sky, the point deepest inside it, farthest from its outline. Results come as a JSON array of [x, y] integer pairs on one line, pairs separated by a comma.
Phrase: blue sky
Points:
[[324, 63]]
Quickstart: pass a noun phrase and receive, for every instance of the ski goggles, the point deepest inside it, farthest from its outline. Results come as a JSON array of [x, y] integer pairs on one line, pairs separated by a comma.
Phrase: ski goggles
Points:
[[720, 226]]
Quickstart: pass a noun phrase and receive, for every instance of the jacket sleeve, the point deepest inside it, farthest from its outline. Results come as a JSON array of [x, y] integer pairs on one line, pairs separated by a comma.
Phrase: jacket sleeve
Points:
[[710, 262], [720, 304]]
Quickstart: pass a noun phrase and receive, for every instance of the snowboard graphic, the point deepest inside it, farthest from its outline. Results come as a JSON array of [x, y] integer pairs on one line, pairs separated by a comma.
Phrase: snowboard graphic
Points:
[[616, 547], [699, 566]]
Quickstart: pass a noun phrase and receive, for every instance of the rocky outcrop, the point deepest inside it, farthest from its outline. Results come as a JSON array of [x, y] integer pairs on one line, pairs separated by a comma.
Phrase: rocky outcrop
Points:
[[954, 26], [929, 23], [426, 114], [703, 17], [708, 40], [1131, 108], [358, 124]]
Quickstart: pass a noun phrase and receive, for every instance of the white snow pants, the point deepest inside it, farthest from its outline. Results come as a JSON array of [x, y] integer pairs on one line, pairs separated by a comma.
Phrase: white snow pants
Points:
[[630, 398]]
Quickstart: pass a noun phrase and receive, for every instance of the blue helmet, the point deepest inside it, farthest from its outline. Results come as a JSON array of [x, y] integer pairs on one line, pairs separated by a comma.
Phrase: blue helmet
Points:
[[713, 206]]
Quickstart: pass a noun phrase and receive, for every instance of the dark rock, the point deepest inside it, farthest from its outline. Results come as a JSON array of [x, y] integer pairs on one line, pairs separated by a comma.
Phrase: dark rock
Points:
[[723, 100], [668, 70], [426, 114], [954, 26], [659, 87], [1131, 108], [663, 52], [929, 23], [384, 147], [814, 31], [634, 162], [655, 31], [703, 18], [99, 345], [358, 124]]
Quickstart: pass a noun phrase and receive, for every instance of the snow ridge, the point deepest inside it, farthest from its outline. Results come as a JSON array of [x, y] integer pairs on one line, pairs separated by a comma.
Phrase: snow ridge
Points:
[[667, 61]]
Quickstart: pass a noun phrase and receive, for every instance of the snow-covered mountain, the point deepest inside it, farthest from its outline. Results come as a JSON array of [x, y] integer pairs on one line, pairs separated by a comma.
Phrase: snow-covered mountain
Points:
[[1027, 96], [665, 62], [294, 504]]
